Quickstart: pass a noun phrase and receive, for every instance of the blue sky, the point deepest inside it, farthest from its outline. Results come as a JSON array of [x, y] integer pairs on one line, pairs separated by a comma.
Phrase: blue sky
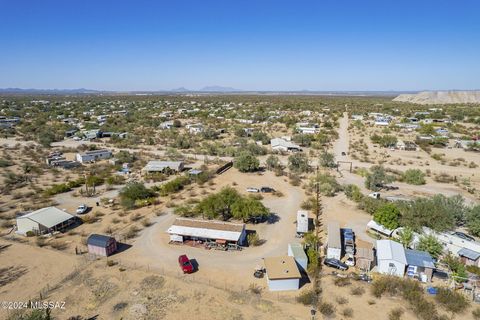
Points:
[[245, 44]]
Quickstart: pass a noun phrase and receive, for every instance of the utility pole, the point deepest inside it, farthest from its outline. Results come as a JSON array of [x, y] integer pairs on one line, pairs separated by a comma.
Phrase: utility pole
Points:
[[318, 269]]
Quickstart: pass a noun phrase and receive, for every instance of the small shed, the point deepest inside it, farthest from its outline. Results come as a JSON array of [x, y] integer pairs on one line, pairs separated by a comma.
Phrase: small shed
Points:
[[101, 245], [296, 251], [334, 242], [282, 273], [469, 257], [365, 260], [420, 264]]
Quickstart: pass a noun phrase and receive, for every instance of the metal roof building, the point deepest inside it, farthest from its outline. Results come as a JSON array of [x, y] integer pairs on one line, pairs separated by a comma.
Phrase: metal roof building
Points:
[[296, 251], [159, 166], [102, 245], [391, 257], [183, 229], [44, 220]]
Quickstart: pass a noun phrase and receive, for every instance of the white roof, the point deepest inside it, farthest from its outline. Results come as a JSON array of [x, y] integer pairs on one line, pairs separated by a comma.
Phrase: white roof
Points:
[[378, 227], [279, 142], [391, 250], [207, 229], [302, 221], [48, 217], [162, 165], [333, 235]]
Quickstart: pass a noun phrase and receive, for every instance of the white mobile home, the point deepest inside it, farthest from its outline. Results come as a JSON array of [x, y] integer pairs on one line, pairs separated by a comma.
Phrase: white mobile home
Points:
[[302, 222], [91, 156], [282, 273], [279, 144], [334, 242], [161, 166]]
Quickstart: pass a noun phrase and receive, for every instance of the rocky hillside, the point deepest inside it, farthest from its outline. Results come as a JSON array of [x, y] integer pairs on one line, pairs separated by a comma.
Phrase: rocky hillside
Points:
[[440, 97]]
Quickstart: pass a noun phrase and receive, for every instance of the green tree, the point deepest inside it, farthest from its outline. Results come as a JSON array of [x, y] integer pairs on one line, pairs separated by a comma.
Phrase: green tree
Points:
[[246, 208], [388, 215], [376, 178], [327, 160], [456, 267], [134, 191], [473, 220], [273, 162], [405, 237], [219, 204], [414, 176], [246, 162], [430, 244], [298, 162]]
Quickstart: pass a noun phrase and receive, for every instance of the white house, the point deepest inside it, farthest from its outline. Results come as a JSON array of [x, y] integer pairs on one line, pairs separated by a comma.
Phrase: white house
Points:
[[43, 221], [378, 228], [161, 166], [311, 129], [282, 273], [296, 251], [91, 156], [391, 258], [334, 242], [279, 144]]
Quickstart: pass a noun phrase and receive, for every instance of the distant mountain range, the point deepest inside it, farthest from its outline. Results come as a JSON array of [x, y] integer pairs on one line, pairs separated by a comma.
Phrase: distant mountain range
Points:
[[204, 90]]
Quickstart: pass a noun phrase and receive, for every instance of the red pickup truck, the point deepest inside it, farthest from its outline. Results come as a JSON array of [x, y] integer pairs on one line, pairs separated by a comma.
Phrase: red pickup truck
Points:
[[185, 264]]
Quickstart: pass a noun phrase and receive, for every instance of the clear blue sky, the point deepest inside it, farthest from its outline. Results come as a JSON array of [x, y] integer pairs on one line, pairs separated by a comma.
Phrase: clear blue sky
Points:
[[245, 44]]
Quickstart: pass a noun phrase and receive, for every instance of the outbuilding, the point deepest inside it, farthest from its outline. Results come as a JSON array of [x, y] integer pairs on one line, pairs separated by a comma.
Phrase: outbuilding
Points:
[[420, 265], [279, 144], [162, 166], [302, 222], [221, 232], [296, 251], [391, 258], [282, 273], [334, 242], [91, 156], [469, 257], [101, 245], [45, 220]]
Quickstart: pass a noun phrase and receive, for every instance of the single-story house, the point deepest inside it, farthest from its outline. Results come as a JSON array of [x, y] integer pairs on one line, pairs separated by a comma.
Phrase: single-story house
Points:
[[334, 241], [469, 257], [391, 258], [282, 273], [419, 264], [94, 155], [296, 251], [45, 220], [378, 228], [221, 232], [161, 166], [279, 144], [101, 245]]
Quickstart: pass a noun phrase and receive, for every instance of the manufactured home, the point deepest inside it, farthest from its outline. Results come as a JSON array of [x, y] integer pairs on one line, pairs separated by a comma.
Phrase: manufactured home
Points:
[[92, 156], [302, 222], [45, 220], [334, 242]]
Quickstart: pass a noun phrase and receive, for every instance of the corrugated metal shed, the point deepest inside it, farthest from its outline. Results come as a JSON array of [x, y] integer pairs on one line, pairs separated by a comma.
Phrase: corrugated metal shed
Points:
[[162, 165], [48, 217], [470, 254], [419, 259]]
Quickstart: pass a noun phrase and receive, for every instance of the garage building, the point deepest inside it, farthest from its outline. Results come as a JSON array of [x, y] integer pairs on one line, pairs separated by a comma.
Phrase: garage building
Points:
[[282, 273], [221, 232], [45, 220]]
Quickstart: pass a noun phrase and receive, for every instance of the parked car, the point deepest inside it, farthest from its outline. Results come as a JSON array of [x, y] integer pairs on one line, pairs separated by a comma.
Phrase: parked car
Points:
[[267, 189], [185, 264], [463, 236], [82, 209], [256, 190], [374, 195], [334, 263], [350, 261], [77, 138], [343, 153]]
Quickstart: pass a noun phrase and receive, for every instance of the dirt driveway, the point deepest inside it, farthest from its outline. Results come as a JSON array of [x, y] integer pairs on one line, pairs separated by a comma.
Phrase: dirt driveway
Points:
[[152, 249]]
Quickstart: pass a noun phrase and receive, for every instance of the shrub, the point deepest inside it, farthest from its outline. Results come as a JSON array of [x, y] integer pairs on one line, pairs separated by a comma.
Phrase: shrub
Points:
[[414, 176], [347, 312], [357, 291], [246, 162], [253, 239], [306, 297], [327, 309], [342, 282], [342, 300], [476, 314], [255, 289], [452, 301], [395, 314]]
